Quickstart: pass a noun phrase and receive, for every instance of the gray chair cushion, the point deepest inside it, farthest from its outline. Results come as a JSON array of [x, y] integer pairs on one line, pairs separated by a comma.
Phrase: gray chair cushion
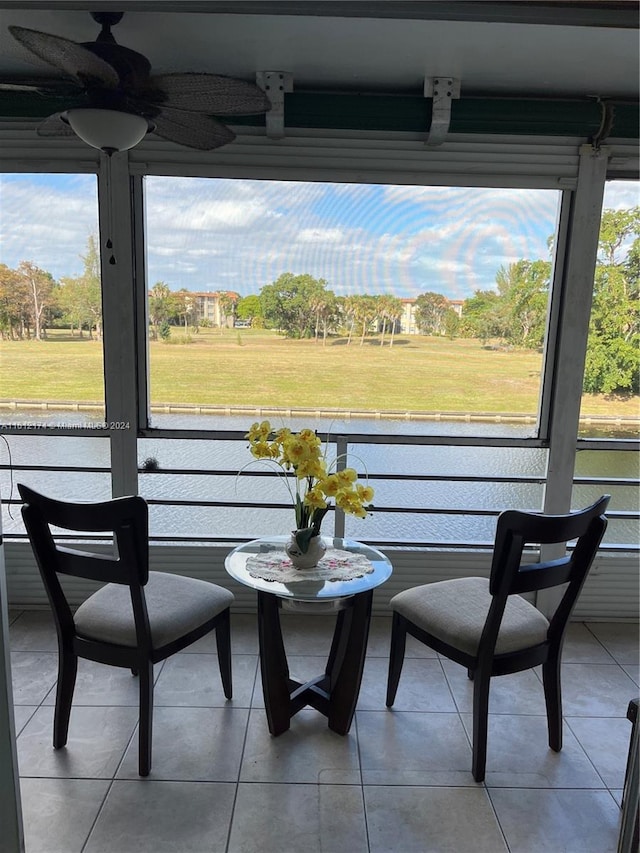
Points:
[[455, 611], [176, 605]]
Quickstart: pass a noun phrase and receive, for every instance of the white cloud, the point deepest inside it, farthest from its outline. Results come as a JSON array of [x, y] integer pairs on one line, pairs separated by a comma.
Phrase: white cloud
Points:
[[321, 235]]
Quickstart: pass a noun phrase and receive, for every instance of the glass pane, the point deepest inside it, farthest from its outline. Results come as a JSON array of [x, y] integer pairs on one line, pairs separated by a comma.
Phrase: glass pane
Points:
[[50, 300], [393, 308], [612, 370], [67, 456], [612, 465]]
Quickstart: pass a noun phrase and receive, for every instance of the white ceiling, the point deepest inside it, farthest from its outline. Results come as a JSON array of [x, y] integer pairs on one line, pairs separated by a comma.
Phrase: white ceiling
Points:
[[382, 54]]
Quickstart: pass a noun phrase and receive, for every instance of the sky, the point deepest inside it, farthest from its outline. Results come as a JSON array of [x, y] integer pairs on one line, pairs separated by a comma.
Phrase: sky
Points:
[[239, 235]]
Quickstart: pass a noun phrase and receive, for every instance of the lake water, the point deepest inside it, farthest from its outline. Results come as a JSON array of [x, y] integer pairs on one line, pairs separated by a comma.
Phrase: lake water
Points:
[[443, 524]]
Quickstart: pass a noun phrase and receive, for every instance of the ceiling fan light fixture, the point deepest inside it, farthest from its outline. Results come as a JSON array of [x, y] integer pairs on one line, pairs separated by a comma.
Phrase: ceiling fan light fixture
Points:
[[107, 130]]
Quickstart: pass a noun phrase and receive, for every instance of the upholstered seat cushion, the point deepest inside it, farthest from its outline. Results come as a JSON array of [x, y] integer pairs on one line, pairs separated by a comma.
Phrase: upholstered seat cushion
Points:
[[455, 611], [175, 604]]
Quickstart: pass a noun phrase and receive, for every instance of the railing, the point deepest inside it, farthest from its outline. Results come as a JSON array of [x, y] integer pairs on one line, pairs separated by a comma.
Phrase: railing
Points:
[[342, 443]]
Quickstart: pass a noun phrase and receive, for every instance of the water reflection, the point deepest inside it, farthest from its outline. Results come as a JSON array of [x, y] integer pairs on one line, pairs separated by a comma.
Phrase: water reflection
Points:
[[439, 498]]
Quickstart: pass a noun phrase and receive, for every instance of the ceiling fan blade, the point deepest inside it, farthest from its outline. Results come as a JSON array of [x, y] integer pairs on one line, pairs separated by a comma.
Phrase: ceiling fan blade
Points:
[[74, 59], [207, 93], [39, 85], [193, 130], [54, 126]]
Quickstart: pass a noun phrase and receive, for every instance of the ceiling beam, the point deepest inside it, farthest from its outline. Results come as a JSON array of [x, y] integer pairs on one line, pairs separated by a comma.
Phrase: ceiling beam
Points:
[[624, 14]]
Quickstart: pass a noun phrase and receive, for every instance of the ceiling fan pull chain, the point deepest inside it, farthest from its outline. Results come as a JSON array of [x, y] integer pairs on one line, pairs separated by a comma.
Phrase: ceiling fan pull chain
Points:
[[109, 242]]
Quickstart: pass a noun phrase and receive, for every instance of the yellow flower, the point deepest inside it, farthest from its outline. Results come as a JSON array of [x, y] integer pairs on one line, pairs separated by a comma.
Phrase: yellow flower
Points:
[[310, 468], [314, 499], [295, 450], [330, 485], [349, 502], [259, 431], [347, 476], [261, 450], [365, 493]]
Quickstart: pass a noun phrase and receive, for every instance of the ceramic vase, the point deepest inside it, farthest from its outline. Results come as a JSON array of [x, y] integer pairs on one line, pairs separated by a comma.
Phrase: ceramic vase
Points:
[[308, 559]]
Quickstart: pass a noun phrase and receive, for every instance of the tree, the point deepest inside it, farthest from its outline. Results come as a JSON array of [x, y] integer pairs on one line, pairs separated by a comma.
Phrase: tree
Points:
[[524, 287], [348, 307], [183, 305], [13, 303], [40, 289], [289, 303], [227, 307], [482, 315], [612, 364], [80, 299], [248, 307], [431, 311], [159, 307], [365, 312]]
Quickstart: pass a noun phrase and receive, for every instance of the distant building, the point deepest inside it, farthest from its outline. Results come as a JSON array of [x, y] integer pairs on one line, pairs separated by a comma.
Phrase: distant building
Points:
[[210, 306], [408, 324]]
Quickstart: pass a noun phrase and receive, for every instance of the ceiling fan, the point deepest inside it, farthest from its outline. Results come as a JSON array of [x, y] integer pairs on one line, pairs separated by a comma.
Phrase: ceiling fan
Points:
[[178, 107]]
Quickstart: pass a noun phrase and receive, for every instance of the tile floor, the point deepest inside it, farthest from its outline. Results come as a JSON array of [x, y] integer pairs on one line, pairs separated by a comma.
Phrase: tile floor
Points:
[[399, 782]]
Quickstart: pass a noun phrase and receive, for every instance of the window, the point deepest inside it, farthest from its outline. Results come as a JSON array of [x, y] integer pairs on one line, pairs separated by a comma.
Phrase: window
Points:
[[50, 301], [423, 308], [612, 371]]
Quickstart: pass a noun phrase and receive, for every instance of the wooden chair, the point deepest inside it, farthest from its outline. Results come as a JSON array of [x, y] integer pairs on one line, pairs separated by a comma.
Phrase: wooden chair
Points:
[[485, 624], [137, 619]]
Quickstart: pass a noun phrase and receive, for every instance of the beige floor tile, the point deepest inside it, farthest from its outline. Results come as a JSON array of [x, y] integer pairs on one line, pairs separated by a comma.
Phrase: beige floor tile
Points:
[[50, 825], [98, 737], [606, 742], [431, 820], [144, 816], [518, 755], [194, 680], [33, 631], [99, 684], [308, 752], [22, 714], [408, 748], [519, 693], [297, 818], [596, 690], [580, 646], [549, 821], [422, 687], [622, 640], [33, 675], [192, 744]]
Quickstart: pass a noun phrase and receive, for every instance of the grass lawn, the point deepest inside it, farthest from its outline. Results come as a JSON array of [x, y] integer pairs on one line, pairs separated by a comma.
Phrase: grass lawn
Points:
[[245, 367]]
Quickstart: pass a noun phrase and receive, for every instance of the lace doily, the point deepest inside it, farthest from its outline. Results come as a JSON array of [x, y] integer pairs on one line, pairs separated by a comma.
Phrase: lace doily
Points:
[[334, 566]]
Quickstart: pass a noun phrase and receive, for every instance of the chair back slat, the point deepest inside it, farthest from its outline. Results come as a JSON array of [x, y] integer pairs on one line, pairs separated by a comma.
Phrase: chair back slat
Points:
[[517, 529], [96, 567], [509, 576], [124, 519]]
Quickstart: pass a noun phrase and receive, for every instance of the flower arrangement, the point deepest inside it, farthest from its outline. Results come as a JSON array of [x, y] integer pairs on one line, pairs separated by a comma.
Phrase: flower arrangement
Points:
[[316, 483]]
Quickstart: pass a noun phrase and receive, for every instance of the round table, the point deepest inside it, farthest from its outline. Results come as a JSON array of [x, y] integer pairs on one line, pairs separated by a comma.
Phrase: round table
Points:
[[335, 692]]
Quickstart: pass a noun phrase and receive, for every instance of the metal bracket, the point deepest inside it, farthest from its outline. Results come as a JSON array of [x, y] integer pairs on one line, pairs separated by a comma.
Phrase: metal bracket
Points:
[[275, 84], [443, 90]]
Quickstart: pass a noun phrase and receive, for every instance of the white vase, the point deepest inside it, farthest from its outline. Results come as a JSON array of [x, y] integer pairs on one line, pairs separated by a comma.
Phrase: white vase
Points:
[[309, 558]]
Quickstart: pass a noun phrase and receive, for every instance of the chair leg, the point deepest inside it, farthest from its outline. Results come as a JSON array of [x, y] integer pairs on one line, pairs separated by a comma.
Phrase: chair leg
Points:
[[396, 655], [146, 718], [67, 669], [223, 645], [481, 684], [553, 700]]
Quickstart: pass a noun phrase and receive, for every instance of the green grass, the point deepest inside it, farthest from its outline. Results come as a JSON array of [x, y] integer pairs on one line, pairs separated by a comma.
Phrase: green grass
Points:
[[252, 367]]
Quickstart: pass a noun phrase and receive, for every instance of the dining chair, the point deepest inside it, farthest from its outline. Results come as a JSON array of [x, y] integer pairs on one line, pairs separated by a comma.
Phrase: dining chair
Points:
[[486, 625], [138, 618]]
